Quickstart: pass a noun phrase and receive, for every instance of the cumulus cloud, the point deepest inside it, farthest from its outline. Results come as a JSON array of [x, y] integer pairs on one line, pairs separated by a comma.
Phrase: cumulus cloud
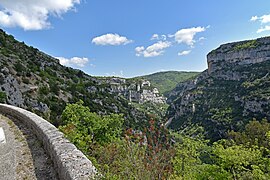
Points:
[[184, 53], [139, 50], [187, 35], [262, 29], [263, 19], [163, 37], [254, 18], [73, 62], [155, 37], [111, 39], [156, 49], [184, 36], [159, 37], [32, 14]]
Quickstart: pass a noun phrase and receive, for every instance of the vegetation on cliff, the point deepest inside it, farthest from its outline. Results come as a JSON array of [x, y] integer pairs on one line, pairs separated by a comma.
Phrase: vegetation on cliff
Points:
[[156, 153], [37, 82], [167, 81], [227, 98]]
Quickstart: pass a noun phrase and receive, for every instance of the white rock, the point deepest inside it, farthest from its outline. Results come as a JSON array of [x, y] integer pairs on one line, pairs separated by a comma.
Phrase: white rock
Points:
[[2, 136]]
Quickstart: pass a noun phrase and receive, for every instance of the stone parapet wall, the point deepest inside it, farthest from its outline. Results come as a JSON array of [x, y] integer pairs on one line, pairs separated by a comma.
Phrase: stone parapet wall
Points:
[[70, 163]]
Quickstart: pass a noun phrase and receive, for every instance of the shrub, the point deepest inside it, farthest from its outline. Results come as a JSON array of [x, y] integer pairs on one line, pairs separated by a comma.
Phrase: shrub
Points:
[[25, 80], [3, 97]]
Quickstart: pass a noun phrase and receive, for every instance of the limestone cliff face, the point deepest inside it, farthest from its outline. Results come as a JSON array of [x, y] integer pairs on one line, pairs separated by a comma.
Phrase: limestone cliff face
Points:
[[19, 91], [240, 53], [234, 89]]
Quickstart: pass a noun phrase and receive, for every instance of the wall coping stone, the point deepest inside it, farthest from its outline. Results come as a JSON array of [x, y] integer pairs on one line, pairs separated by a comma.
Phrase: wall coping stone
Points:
[[69, 162]]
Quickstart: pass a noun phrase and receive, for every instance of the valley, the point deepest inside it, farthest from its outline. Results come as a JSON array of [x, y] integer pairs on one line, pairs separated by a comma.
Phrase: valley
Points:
[[177, 125]]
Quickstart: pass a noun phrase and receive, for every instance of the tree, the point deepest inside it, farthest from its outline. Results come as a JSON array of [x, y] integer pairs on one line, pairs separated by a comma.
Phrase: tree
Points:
[[85, 128], [140, 155], [254, 134], [242, 162], [187, 158]]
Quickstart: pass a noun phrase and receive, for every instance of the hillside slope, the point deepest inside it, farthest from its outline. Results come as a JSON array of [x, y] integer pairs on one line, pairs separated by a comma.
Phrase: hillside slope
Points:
[[167, 81], [234, 90], [37, 82]]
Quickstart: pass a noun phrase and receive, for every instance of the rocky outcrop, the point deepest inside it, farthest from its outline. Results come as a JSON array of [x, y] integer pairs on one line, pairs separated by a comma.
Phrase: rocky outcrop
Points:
[[139, 90], [15, 92], [240, 53], [181, 88], [234, 90], [11, 86]]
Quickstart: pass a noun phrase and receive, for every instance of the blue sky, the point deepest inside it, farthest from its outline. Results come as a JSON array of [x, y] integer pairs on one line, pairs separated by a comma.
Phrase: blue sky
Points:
[[130, 38]]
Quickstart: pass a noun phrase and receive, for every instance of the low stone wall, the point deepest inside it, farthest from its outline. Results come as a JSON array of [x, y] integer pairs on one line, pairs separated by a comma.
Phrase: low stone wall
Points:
[[70, 163]]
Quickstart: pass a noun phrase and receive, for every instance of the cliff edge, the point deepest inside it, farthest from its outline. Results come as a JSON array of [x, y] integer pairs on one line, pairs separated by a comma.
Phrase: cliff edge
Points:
[[232, 91]]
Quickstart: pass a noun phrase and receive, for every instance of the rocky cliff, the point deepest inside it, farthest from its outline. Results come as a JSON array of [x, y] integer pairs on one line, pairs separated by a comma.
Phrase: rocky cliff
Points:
[[239, 53], [234, 89], [134, 90], [37, 82]]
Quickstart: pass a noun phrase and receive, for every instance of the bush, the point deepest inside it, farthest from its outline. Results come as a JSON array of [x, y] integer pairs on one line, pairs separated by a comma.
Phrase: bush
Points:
[[3, 97], [85, 128], [25, 80], [139, 155]]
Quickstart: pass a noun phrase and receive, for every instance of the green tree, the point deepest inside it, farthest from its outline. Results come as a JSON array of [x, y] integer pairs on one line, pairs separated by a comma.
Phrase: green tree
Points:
[[85, 128], [193, 160], [3, 97], [188, 153], [254, 134], [242, 162]]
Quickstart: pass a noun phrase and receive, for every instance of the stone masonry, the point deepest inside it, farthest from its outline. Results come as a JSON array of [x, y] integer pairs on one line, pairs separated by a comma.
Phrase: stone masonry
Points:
[[69, 162]]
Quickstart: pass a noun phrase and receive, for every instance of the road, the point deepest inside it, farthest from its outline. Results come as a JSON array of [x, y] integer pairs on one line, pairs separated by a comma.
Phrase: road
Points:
[[22, 155]]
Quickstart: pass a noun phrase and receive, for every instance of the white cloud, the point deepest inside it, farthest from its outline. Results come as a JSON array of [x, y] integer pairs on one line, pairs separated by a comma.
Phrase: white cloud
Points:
[[202, 38], [159, 37], [254, 18], [262, 29], [74, 62], [156, 49], [111, 39], [184, 53], [263, 19], [139, 50], [187, 35], [32, 14], [155, 36], [170, 35], [163, 37]]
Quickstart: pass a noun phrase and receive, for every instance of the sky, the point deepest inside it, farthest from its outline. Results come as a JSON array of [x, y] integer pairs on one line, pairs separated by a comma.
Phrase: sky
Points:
[[130, 38]]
